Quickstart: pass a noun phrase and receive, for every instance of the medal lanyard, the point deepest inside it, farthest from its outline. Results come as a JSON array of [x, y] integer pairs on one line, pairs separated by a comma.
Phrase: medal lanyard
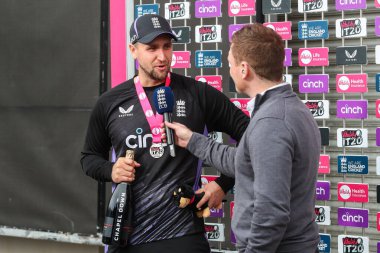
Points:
[[154, 121]]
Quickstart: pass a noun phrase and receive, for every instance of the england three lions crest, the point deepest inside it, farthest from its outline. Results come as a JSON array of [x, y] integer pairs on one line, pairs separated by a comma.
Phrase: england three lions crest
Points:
[[180, 108]]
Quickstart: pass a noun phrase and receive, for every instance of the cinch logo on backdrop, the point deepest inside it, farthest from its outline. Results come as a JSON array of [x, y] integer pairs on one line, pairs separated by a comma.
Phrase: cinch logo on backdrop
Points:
[[288, 57], [341, 5], [233, 28], [208, 9], [139, 139], [322, 215], [377, 26], [354, 83], [353, 217], [353, 244], [351, 109], [322, 190], [352, 192], [353, 164], [314, 83], [324, 244]]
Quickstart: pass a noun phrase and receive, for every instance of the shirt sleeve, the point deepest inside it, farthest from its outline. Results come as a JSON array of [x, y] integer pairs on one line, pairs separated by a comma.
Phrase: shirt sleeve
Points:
[[222, 116], [220, 156], [95, 154], [271, 150]]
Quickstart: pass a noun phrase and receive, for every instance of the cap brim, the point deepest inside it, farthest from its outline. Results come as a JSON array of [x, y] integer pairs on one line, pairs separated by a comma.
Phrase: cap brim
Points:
[[150, 37]]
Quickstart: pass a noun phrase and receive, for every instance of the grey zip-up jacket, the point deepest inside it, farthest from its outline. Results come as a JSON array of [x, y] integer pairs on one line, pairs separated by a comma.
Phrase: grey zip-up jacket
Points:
[[275, 168]]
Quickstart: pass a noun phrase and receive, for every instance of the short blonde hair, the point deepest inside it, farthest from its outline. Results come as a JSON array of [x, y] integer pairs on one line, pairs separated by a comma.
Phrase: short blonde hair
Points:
[[262, 48]]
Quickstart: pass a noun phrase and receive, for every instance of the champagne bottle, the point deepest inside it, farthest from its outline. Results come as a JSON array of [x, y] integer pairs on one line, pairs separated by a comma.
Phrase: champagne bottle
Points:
[[118, 223]]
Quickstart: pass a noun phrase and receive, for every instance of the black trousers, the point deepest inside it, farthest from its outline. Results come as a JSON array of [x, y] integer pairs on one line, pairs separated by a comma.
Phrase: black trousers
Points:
[[196, 243]]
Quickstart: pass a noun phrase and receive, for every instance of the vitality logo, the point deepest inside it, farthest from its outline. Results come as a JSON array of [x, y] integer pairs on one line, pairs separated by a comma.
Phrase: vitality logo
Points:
[[346, 83], [352, 192], [313, 56], [241, 8], [181, 59]]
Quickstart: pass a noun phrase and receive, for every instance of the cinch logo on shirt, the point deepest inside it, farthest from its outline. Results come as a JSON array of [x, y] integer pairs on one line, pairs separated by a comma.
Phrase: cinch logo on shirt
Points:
[[138, 140]]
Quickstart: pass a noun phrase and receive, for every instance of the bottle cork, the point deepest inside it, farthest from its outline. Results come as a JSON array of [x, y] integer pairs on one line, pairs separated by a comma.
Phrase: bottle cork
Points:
[[130, 154]]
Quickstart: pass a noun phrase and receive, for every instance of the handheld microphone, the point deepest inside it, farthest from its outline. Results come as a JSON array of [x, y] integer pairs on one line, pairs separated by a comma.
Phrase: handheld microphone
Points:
[[163, 100]]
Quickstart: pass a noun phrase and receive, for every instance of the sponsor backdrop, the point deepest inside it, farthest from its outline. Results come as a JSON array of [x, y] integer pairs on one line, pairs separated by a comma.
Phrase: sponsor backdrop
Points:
[[332, 57]]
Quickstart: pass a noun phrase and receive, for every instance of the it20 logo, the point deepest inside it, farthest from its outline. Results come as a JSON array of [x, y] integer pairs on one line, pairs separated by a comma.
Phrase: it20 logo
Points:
[[353, 245], [352, 138], [212, 231]]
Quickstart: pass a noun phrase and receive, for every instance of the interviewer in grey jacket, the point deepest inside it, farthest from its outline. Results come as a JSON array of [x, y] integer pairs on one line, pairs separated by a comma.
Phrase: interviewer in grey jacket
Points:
[[275, 165]]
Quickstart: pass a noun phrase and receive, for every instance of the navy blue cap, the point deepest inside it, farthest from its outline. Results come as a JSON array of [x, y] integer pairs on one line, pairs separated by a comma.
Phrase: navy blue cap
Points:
[[148, 27]]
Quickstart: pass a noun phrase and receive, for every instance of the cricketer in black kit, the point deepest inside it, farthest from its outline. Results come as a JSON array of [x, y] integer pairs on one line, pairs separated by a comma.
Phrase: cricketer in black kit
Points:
[[122, 120]]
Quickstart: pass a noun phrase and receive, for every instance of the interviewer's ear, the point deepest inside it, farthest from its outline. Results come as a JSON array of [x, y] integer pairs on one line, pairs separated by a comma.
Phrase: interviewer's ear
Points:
[[244, 69]]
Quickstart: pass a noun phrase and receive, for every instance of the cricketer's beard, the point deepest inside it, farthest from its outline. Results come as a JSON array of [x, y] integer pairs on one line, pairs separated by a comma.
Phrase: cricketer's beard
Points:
[[154, 75]]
